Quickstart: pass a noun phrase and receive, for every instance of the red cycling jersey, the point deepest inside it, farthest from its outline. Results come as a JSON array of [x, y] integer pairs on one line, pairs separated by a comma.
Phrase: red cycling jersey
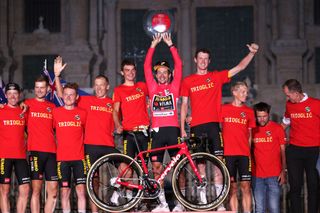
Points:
[[69, 125], [236, 122], [133, 104], [164, 97], [304, 122], [205, 92], [12, 125], [99, 124], [40, 126], [266, 161]]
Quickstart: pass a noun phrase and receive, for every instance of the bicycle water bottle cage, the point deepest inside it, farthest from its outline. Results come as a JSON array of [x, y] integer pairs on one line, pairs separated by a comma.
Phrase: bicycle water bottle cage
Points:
[[196, 143]]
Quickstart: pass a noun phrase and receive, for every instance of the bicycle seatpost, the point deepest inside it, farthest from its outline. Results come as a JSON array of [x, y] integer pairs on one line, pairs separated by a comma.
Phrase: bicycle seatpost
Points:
[[135, 140]]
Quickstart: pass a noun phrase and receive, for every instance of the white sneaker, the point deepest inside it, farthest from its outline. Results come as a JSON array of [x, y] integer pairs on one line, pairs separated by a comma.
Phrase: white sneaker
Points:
[[179, 208], [115, 198], [162, 207], [202, 195], [221, 208]]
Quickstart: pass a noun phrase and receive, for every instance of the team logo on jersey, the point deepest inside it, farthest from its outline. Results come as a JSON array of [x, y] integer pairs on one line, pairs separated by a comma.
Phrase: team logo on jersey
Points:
[[243, 114], [108, 105], [307, 109], [21, 115], [138, 89], [49, 109], [208, 80], [77, 117], [268, 133]]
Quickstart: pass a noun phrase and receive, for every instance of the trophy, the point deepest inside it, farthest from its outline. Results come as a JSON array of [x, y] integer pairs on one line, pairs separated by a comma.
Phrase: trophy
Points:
[[158, 21]]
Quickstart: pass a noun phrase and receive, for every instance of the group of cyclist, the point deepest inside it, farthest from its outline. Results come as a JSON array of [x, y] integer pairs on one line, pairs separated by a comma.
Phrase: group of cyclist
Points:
[[85, 125]]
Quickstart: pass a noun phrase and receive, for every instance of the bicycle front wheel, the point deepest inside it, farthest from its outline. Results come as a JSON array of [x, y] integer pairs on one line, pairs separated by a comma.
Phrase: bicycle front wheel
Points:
[[197, 195], [103, 188]]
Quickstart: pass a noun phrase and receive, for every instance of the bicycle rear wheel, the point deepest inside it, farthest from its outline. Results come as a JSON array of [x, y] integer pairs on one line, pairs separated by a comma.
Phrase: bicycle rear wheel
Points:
[[103, 189], [194, 195]]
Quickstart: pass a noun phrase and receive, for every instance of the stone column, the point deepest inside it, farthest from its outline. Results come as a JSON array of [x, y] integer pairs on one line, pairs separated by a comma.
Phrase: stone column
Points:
[[289, 48], [185, 37], [111, 43], [76, 51], [3, 41]]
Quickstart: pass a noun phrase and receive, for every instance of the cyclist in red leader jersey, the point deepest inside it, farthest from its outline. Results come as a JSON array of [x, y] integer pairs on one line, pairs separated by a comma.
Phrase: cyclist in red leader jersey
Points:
[[42, 147], [164, 96], [99, 128], [69, 122], [13, 151]]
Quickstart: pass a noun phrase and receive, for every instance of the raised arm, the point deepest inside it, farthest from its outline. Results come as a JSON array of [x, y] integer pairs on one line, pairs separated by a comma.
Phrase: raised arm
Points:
[[176, 58], [58, 67], [253, 48], [148, 60]]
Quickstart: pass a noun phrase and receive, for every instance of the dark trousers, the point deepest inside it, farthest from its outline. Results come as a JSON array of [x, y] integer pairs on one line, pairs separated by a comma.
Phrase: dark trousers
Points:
[[300, 159]]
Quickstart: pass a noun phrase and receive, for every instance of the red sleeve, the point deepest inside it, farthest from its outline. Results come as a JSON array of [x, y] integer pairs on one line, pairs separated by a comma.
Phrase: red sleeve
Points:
[[184, 89], [177, 67], [151, 83], [223, 76], [281, 135], [252, 120], [116, 96]]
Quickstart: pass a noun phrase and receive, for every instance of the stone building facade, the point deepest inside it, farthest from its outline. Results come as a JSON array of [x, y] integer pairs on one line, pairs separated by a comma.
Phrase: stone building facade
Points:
[[90, 39]]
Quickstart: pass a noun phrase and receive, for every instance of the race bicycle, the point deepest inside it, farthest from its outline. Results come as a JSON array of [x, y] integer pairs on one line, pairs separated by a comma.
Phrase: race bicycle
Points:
[[130, 179]]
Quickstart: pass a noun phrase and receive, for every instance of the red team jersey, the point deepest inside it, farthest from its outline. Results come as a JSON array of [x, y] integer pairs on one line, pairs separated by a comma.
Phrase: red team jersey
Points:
[[12, 126], [205, 93], [40, 126], [164, 97], [236, 122], [304, 122], [266, 150], [99, 124], [133, 105], [69, 125]]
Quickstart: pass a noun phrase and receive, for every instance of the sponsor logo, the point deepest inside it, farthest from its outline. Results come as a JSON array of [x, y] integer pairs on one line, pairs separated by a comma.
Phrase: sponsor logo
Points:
[[268, 133], [77, 117], [172, 163], [243, 114], [307, 109], [208, 80], [49, 109]]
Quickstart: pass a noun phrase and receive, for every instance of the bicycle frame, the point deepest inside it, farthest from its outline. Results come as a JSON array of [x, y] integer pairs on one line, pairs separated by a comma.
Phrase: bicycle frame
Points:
[[183, 150]]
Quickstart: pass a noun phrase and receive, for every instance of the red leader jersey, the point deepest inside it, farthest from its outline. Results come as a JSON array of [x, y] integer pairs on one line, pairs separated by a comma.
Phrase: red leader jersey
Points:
[[205, 93], [266, 150], [99, 124], [69, 125], [12, 126], [40, 126], [133, 104], [236, 122], [304, 122], [164, 97]]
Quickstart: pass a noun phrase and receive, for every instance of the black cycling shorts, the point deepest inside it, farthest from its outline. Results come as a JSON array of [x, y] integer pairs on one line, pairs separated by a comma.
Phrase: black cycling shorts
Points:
[[129, 145], [94, 152], [166, 136], [43, 164], [240, 164], [77, 167], [213, 133], [21, 170]]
